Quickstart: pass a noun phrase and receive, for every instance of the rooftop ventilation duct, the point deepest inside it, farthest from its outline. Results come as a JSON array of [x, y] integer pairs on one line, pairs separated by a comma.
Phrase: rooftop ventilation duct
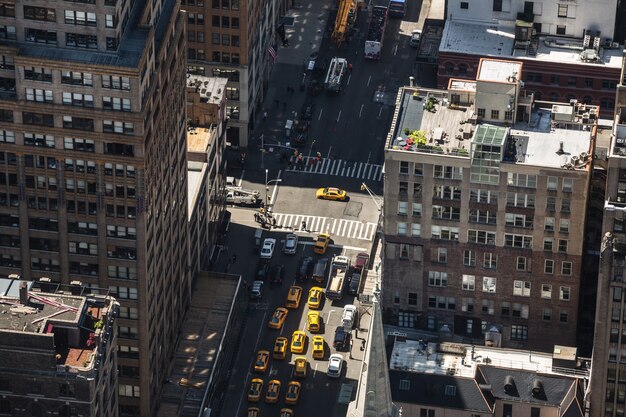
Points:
[[537, 388], [509, 385]]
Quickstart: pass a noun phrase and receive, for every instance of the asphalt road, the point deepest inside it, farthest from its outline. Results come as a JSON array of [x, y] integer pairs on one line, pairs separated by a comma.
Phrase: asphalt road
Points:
[[349, 130]]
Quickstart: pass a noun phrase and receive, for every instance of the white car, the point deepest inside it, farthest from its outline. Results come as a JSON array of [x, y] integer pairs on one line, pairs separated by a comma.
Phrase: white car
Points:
[[291, 244], [335, 364], [416, 36], [349, 314], [268, 248]]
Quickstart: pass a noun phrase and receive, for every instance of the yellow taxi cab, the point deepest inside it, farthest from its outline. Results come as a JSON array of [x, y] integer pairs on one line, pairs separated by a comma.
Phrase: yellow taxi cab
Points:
[[273, 391], [254, 393], [315, 297], [318, 347], [262, 359], [286, 412], [278, 318], [253, 412], [298, 341], [313, 321], [293, 297], [293, 393], [280, 348], [300, 367], [321, 244], [331, 193]]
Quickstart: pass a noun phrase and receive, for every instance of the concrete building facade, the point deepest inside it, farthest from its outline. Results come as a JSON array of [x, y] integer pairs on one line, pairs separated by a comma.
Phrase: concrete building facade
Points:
[[58, 347], [608, 380], [484, 194], [93, 166], [231, 38]]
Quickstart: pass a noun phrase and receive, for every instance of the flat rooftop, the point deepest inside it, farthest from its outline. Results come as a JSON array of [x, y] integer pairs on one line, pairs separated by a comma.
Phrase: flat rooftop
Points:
[[449, 132], [497, 40], [211, 89], [499, 71], [428, 358], [199, 139], [194, 184]]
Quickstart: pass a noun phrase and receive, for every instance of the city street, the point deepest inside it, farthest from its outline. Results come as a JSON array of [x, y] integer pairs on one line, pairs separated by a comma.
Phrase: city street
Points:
[[348, 130]]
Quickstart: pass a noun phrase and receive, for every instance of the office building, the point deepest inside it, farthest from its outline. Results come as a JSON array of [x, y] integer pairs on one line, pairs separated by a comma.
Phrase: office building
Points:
[[58, 347], [485, 200], [93, 166], [567, 48], [231, 39], [451, 379], [608, 377]]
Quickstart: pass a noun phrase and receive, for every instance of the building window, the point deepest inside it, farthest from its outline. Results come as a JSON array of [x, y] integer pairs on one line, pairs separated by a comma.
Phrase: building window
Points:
[[40, 13], [547, 313], [481, 113], [445, 233], [505, 309], [549, 224], [80, 18], [518, 332], [522, 263], [115, 83], [568, 185], [489, 284], [490, 260], [562, 12], [402, 228], [442, 255], [566, 268], [563, 316], [560, 29], [412, 299], [404, 251], [36, 94], [518, 241], [563, 243], [552, 183], [402, 207], [482, 237], [404, 167], [468, 283], [469, 258], [464, 5], [416, 229], [564, 293], [76, 78], [548, 244], [437, 279], [548, 267], [546, 291], [497, 5], [417, 209], [495, 114], [427, 412], [521, 288]]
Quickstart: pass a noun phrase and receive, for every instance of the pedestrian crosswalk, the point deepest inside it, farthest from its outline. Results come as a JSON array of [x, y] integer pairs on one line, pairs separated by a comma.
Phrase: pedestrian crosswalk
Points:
[[350, 169], [354, 229]]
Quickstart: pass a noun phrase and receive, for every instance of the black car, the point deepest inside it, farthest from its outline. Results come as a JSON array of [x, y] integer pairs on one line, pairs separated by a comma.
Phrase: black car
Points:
[[305, 268], [278, 274], [342, 339], [262, 270], [355, 283], [307, 110]]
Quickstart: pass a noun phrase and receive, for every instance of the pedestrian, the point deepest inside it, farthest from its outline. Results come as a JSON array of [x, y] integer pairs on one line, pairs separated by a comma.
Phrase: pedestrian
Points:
[[234, 258], [274, 221], [350, 68], [264, 115], [303, 225]]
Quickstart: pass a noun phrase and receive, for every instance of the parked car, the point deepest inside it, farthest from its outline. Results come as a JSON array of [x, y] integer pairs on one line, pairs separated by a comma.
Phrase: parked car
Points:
[[262, 270], [342, 339], [416, 37], [305, 268], [278, 274], [335, 365], [318, 347], [291, 244], [267, 251], [256, 291]]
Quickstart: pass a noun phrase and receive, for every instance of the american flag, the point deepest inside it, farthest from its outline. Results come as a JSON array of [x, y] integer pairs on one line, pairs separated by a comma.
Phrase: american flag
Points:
[[272, 51]]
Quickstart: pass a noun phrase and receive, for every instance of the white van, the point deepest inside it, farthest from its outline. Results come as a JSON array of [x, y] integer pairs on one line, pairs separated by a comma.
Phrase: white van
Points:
[[349, 317]]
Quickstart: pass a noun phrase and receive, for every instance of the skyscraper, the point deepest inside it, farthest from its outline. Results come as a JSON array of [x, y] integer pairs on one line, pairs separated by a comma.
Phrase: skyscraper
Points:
[[93, 166]]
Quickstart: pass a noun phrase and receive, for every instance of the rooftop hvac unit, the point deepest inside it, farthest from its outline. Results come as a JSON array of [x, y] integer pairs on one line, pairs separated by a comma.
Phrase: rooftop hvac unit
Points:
[[575, 159], [584, 156], [586, 39], [14, 276], [596, 41]]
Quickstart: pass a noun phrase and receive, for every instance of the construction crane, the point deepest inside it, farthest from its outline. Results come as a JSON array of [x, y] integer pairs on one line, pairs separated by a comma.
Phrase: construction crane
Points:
[[346, 9]]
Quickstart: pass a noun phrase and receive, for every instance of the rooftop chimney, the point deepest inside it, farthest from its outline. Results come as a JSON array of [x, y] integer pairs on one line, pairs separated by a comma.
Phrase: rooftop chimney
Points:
[[560, 151], [23, 293]]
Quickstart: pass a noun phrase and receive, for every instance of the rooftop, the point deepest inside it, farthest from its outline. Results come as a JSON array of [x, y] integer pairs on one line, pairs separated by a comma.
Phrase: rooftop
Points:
[[498, 40], [462, 360], [199, 139], [210, 89], [61, 314], [450, 130], [499, 71], [195, 173]]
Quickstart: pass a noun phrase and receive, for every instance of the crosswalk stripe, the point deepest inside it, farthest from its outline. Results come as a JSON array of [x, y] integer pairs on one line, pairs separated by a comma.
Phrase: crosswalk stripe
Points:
[[354, 229], [337, 167]]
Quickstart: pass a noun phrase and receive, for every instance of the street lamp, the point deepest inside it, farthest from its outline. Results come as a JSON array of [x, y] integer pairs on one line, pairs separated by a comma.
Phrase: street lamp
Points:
[[310, 150]]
